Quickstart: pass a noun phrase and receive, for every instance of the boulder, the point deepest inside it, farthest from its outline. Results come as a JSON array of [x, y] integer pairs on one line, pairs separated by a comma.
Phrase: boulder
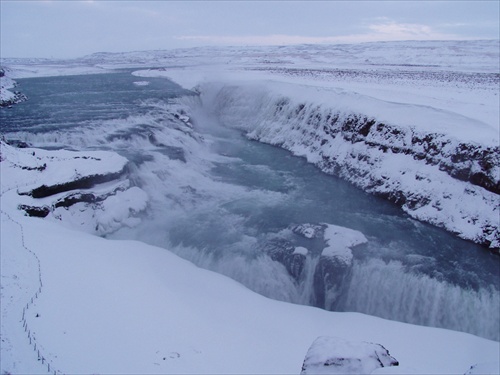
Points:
[[334, 355]]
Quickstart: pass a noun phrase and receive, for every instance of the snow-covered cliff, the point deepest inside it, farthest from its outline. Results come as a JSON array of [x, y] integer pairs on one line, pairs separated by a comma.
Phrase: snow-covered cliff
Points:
[[439, 166], [84, 190], [7, 96]]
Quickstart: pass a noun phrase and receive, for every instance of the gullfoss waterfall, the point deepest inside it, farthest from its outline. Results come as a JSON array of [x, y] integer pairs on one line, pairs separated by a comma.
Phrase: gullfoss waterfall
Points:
[[255, 212]]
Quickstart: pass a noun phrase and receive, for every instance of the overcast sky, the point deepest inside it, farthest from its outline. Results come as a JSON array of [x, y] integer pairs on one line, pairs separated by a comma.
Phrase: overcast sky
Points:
[[43, 28]]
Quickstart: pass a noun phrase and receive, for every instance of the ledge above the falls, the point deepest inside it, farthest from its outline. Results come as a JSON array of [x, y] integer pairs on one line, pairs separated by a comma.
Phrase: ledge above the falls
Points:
[[87, 190]]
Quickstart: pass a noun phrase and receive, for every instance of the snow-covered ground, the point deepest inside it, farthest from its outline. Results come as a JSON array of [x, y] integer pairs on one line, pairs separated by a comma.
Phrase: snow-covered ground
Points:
[[76, 303], [7, 95]]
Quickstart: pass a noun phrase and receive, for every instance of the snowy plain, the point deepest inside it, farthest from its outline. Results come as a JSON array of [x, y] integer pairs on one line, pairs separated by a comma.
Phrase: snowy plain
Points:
[[182, 319]]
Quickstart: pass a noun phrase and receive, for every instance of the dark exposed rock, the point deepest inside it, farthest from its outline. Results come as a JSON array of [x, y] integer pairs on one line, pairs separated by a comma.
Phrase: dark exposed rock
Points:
[[35, 211], [79, 183], [39, 168], [17, 143], [295, 264], [331, 278], [65, 202], [467, 162], [19, 97], [283, 251], [77, 198]]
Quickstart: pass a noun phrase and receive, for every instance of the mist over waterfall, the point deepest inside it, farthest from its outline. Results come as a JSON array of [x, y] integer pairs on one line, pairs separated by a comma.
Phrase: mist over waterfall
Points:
[[233, 205]]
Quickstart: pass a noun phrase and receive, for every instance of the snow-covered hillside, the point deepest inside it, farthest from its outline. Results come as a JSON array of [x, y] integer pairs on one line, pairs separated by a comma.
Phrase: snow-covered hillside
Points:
[[76, 303]]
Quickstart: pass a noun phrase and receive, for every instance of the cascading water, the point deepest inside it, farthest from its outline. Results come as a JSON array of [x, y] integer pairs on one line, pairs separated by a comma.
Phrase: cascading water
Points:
[[389, 291], [230, 205]]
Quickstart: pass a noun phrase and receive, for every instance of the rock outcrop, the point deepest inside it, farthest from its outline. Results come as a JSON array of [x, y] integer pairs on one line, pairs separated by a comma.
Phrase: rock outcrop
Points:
[[86, 190], [332, 263]]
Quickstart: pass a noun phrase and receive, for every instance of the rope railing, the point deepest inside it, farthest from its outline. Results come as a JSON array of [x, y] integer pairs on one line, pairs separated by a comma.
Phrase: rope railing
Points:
[[30, 334]]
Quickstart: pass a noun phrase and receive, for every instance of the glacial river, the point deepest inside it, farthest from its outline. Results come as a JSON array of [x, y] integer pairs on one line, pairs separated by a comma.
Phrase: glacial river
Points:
[[222, 201]]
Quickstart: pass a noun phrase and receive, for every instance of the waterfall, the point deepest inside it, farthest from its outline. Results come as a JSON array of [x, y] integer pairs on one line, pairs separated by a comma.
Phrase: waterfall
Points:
[[306, 284], [217, 198], [387, 290]]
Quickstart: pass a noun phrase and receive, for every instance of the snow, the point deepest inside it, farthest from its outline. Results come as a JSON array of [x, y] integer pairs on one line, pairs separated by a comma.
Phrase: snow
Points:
[[92, 305], [300, 250], [339, 242], [116, 203], [460, 77], [6, 84], [50, 168], [7, 96], [333, 355], [41, 68]]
